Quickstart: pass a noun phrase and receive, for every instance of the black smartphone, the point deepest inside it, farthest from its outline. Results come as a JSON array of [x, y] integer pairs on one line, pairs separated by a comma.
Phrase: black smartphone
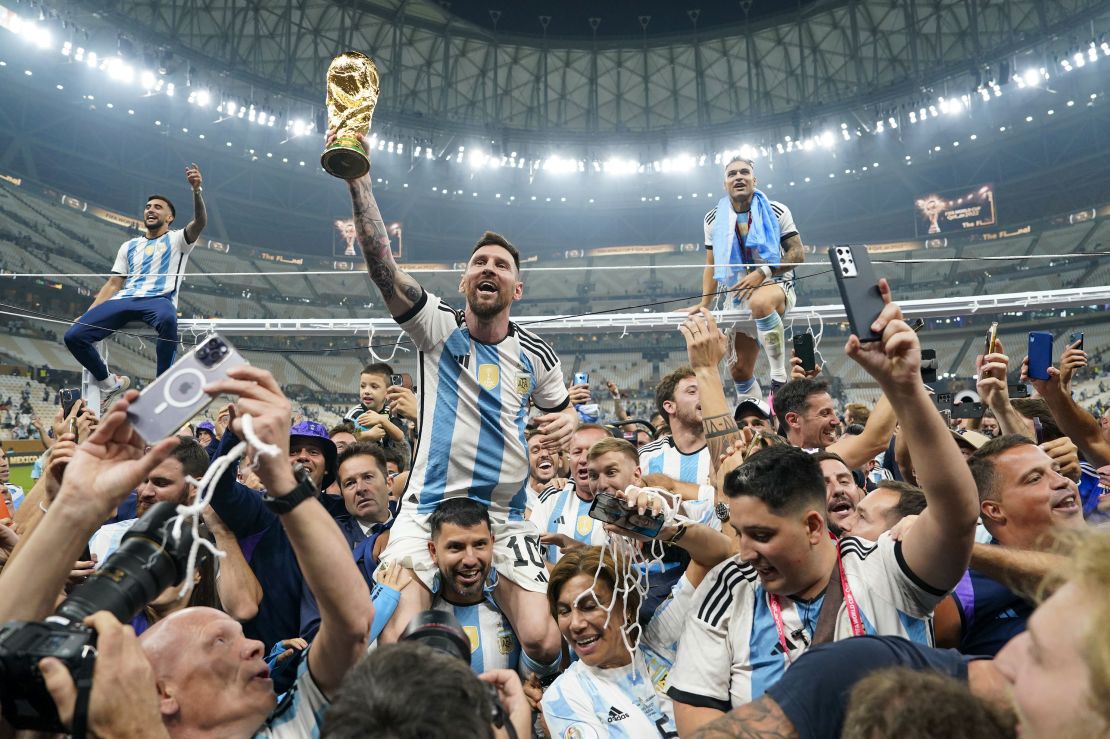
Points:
[[943, 400], [610, 509], [803, 349], [396, 380], [859, 288], [928, 366], [1020, 390], [68, 397], [917, 324], [967, 409], [1076, 336]]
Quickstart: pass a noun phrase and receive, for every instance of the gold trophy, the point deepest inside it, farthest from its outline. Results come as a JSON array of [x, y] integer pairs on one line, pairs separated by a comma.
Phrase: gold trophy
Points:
[[352, 96]]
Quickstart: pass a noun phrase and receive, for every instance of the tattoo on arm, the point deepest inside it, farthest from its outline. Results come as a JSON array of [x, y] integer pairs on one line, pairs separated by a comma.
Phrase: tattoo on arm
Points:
[[200, 218], [720, 432], [373, 237], [792, 253], [761, 719]]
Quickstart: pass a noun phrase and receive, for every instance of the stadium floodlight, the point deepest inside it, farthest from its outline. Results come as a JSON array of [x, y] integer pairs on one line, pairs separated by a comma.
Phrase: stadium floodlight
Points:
[[1079, 59], [1092, 52], [67, 48], [203, 98], [1032, 77], [231, 107], [147, 79], [169, 89], [91, 59]]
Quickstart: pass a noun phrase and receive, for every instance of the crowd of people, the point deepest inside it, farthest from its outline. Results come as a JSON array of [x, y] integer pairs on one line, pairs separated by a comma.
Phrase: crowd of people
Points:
[[483, 555]]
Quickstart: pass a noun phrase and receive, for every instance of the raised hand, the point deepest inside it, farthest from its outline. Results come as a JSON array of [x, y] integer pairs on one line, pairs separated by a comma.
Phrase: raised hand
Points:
[[895, 359], [193, 176]]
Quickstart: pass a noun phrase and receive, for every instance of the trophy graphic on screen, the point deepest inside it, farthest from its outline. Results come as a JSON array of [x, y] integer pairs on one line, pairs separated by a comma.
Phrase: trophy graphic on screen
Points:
[[931, 207], [353, 90]]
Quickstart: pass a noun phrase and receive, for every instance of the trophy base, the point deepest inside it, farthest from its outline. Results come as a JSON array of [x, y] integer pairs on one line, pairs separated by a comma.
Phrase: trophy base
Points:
[[345, 159]]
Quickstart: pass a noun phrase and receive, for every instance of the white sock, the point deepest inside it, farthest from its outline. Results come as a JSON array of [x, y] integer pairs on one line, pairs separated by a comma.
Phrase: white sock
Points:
[[749, 389], [770, 332]]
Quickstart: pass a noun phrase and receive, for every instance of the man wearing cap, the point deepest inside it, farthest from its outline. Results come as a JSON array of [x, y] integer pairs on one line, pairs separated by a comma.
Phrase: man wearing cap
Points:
[[263, 540], [753, 413], [143, 287]]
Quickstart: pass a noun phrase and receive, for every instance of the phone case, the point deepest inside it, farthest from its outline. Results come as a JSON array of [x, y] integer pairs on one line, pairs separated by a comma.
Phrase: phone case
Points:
[[803, 349], [859, 288], [929, 366], [608, 508], [581, 378], [1076, 336], [1040, 354], [178, 394]]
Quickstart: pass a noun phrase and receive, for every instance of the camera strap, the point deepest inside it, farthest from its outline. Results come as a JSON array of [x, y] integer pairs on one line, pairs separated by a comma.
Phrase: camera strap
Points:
[[83, 678]]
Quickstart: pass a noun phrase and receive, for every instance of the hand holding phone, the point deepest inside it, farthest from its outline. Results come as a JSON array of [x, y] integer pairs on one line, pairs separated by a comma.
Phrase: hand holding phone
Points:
[[859, 289], [178, 393], [803, 350], [611, 509], [1040, 354], [581, 378], [992, 340]]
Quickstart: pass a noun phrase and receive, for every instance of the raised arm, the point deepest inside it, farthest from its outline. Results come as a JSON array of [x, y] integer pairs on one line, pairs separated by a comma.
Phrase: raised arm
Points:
[[992, 387], [102, 471], [856, 450], [705, 345], [322, 553], [1075, 422], [937, 549], [200, 215], [238, 588]]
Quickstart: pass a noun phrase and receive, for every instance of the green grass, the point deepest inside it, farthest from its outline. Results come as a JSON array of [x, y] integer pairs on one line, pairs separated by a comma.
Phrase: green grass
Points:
[[21, 476]]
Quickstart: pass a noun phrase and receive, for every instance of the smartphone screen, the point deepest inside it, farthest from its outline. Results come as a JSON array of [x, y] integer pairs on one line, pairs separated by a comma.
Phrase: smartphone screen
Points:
[[610, 509]]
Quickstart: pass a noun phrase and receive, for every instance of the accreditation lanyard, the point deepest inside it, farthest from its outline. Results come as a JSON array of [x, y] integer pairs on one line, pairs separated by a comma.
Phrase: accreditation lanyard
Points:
[[741, 236], [849, 601]]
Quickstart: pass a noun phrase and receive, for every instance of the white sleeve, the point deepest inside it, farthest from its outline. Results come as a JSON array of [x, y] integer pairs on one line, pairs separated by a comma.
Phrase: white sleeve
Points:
[[179, 242], [666, 626], [429, 322], [701, 675], [119, 267], [786, 220], [542, 511], [709, 218], [301, 710], [891, 579], [550, 394]]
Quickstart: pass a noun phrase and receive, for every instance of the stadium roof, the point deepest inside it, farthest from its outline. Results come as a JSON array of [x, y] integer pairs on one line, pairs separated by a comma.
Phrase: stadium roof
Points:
[[458, 71]]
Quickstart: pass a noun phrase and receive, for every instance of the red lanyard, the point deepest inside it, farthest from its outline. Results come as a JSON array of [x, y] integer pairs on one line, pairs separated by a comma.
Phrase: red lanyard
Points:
[[849, 602]]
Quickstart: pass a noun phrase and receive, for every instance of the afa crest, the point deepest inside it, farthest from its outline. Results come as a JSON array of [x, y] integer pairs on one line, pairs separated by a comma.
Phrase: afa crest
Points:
[[585, 525], [523, 384], [489, 376], [505, 643]]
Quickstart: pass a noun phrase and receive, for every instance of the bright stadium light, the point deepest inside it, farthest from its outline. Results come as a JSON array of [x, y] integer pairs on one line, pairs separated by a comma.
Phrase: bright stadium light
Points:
[[203, 98], [1032, 77]]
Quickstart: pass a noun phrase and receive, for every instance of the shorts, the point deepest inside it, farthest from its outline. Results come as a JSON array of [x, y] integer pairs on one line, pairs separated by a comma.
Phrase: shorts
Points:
[[787, 287], [517, 554]]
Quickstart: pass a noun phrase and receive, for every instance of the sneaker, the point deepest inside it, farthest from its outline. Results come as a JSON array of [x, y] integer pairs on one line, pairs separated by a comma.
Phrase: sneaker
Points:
[[107, 396]]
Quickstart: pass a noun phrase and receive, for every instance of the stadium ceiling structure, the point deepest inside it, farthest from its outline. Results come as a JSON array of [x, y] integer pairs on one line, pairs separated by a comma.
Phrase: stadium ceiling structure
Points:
[[444, 74]]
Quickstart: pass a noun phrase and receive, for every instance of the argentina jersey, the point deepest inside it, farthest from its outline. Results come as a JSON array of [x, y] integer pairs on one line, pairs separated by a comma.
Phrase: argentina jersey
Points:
[[662, 457], [473, 409], [786, 230], [152, 267], [493, 643], [731, 651], [563, 512]]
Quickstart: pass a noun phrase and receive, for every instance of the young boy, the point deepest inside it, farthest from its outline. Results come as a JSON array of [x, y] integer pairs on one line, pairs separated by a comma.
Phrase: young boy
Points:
[[371, 417]]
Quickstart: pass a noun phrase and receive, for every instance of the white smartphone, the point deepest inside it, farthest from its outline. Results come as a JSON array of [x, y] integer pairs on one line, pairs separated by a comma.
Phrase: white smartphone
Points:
[[178, 394]]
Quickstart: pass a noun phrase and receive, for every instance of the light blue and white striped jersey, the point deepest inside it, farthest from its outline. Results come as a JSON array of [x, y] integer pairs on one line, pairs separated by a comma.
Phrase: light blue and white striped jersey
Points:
[[493, 643], [107, 539], [663, 457], [624, 701], [563, 512], [300, 712], [153, 266], [730, 653], [473, 409]]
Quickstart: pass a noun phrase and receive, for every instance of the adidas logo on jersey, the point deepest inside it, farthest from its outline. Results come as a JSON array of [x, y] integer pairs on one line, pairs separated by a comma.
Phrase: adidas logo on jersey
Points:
[[615, 715], [559, 520]]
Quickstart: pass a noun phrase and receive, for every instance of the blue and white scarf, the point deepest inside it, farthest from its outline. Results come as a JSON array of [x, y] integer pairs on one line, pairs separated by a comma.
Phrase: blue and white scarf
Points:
[[762, 238]]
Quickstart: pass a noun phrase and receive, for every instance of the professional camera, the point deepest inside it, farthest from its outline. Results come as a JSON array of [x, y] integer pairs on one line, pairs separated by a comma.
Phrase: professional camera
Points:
[[149, 560], [440, 630]]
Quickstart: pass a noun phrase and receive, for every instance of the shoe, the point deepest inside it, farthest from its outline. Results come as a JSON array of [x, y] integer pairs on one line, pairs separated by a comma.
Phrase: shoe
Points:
[[107, 396], [775, 385]]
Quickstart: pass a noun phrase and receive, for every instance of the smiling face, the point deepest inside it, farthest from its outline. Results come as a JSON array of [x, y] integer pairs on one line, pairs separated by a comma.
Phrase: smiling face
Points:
[[464, 555], [817, 426], [156, 214], [780, 547], [491, 282], [581, 614], [541, 461], [841, 492], [739, 180], [309, 452], [1031, 499]]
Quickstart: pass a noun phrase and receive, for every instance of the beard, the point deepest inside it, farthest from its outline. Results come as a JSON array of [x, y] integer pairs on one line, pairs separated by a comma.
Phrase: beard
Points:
[[487, 310]]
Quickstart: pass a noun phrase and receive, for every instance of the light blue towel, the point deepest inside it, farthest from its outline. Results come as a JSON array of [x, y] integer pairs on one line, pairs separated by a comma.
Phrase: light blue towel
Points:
[[763, 238]]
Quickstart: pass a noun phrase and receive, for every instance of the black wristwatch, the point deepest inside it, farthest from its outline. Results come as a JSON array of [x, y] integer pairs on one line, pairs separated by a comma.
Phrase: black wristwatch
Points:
[[304, 490]]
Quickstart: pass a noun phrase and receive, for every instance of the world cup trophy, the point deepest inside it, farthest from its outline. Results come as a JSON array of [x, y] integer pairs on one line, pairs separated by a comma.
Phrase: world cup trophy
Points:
[[352, 96]]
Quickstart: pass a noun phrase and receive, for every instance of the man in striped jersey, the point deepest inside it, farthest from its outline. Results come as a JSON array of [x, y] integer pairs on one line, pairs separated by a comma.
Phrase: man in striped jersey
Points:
[[478, 373], [766, 288], [143, 287], [792, 584]]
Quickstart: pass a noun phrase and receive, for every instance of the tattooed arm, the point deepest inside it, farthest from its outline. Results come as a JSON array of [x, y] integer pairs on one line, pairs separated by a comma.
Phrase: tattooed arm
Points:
[[792, 253], [760, 719], [399, 290], [705, 345]]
